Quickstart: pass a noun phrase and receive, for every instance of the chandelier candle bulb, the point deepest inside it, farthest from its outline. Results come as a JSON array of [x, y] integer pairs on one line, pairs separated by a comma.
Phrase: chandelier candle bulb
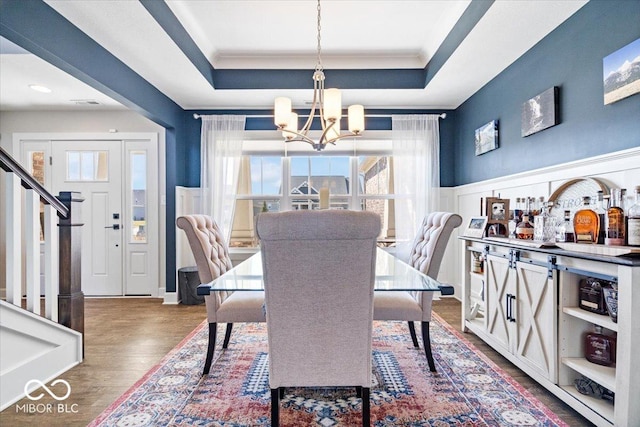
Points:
[[324, 198], [356, 118], [282, 113], [332, 104], [292, 127]]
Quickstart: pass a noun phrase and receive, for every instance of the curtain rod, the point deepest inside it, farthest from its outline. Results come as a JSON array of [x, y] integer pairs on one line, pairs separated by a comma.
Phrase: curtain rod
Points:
[[262, 116]]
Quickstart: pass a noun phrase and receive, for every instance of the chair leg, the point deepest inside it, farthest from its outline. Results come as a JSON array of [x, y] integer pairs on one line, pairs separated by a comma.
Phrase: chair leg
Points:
[[366, 407], [227, 335], [275, 407], [412, 331], [359, 391], [426, 341], [211, 347]]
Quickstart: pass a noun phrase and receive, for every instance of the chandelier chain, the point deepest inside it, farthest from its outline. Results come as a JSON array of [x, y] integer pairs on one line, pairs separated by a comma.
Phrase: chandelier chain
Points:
[[319, 64]]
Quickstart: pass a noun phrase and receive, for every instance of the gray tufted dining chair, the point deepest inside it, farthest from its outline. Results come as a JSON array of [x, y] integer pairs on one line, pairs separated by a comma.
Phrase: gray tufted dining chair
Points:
[[212, 259], [426, 256], [319, 272]]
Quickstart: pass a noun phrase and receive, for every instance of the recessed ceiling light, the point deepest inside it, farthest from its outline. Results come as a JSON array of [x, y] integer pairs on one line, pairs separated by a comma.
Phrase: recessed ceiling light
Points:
[[39, 88]]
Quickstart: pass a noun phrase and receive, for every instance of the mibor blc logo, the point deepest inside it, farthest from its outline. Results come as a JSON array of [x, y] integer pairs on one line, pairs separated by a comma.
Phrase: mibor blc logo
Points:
[[60, 390], [47, 389]]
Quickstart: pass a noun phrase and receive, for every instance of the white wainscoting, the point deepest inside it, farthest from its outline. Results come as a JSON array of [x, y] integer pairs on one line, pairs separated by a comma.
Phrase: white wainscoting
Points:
[[617, 170]]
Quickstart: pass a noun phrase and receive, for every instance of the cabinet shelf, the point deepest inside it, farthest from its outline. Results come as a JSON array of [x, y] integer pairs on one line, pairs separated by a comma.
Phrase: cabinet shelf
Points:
[[603, 375], [598, 319], [602, 407]]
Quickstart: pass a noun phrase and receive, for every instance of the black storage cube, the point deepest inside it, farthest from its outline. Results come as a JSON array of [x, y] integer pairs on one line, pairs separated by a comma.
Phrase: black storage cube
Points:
[[188, 280]]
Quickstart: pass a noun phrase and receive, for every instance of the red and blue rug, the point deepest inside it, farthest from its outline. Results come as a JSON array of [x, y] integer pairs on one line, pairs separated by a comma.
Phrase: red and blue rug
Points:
[[468, 389]]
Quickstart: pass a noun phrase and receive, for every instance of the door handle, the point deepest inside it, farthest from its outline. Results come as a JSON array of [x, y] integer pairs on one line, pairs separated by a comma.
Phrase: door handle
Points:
[[114, 226], [507, 306], [513, 298]]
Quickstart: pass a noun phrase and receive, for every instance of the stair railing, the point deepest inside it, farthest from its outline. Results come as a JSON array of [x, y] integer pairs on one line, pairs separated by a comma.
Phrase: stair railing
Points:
[[63, 297]]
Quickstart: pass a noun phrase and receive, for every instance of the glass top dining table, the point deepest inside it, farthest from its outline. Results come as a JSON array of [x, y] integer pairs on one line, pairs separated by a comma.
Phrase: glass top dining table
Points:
[[392, 274]]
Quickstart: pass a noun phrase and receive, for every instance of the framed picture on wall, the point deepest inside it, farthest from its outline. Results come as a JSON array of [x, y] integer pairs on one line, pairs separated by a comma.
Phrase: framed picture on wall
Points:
[[498, 217], [540, 112], [486, 137], [621, 73]]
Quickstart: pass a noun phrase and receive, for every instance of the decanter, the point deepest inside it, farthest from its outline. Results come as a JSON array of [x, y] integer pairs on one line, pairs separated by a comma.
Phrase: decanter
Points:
[[544, 225]]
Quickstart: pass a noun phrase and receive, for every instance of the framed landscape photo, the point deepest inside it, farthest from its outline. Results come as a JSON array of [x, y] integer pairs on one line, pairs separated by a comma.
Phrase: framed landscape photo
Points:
[[475, 227], [540, 112], [497, 211], [621, 73], [486, 137]]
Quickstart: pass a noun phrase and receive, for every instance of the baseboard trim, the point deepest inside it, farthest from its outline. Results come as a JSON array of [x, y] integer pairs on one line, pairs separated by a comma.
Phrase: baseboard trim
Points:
[[170, 298]]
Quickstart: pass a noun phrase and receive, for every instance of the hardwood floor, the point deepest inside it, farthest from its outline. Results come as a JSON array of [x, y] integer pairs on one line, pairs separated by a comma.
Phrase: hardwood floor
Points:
[[125, 337]]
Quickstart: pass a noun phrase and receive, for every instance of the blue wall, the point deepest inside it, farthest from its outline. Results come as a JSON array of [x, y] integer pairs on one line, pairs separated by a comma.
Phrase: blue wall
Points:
[[570, 58]]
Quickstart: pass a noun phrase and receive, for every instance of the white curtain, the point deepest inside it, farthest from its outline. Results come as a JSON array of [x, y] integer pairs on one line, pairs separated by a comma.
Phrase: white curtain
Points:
[[220, 153], [416, 161]]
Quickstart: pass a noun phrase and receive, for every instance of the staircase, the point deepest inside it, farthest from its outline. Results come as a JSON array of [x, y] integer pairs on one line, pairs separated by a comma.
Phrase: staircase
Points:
[[37, 348]]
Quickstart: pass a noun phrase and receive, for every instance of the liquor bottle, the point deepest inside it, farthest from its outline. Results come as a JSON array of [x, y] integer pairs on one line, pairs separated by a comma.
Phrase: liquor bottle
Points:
[[633, 221], [602, 203], [517, 213], [600, 348], [540, 205], [615, 221], [564, 230], [525, 208], [524, 229], [586, 224], [624, 206]]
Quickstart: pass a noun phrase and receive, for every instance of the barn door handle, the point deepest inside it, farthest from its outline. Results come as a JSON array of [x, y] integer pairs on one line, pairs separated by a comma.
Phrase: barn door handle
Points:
[[513, 298]]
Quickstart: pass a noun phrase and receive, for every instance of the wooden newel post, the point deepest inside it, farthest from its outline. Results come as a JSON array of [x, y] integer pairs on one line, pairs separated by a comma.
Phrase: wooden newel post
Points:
[[70, 297]]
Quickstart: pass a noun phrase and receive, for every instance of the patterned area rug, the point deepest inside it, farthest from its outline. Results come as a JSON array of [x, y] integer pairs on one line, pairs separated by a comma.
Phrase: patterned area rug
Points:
[[467, 390]]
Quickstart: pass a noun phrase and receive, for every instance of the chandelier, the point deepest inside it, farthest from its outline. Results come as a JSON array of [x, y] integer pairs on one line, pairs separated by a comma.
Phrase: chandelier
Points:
[[329, 105]]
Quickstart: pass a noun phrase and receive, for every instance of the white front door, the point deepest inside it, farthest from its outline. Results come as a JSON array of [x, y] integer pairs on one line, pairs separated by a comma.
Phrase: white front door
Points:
[[118, 178], [94, 169]]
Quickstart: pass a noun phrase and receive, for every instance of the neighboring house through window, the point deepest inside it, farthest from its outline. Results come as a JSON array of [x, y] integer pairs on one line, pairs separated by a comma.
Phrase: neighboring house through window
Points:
[[273, 183]]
